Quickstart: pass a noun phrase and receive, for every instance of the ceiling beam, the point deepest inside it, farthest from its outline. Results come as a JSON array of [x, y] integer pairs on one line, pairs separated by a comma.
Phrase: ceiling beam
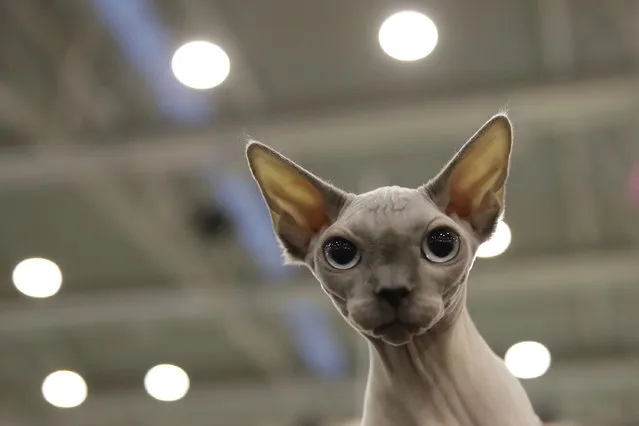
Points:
[[163, 239], [232, 404], [596, 272], [154, 225], [78, 97], [19, 115], [340, 133]]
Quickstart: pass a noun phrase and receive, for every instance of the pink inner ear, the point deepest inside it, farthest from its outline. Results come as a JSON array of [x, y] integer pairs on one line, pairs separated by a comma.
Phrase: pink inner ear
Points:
[[306, 214], [461, 210], [316, 217], [466, 196], [460, 203]]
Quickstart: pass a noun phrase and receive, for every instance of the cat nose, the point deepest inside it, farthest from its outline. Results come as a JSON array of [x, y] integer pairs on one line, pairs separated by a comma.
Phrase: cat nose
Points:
[[393, 295]]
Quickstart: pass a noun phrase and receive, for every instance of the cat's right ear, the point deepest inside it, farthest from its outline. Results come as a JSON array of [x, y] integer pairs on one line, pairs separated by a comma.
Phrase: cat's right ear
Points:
[[301, 205], [473, 184]]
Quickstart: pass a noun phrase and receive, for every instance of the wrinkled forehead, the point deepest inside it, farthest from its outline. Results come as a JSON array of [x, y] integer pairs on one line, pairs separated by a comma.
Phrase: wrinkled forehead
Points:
[[388, 210]]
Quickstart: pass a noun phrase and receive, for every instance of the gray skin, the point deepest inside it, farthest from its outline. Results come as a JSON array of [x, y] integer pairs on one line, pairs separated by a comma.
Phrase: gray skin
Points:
[[429, 366]]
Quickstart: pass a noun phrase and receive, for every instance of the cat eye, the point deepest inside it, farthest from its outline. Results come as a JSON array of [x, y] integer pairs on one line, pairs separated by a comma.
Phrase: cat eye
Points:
[[341, 253], [440, 245]]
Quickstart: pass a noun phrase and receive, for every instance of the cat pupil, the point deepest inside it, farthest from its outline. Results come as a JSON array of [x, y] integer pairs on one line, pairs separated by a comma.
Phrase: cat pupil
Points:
[[441, 242], [341, 250]]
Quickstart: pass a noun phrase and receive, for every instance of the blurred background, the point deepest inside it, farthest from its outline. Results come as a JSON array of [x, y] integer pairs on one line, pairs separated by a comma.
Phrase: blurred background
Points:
[[141, 284]]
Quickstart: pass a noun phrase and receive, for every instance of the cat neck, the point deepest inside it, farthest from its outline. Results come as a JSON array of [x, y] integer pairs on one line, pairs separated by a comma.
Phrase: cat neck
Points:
[[448, 376]]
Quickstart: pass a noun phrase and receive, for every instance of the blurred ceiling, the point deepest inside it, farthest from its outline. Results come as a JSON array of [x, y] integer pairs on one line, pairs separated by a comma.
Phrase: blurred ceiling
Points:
[[98, 173]]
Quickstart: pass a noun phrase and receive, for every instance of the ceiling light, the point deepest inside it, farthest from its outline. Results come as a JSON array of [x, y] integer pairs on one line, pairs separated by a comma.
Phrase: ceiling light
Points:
[[498, 243], [37, 277], [166, 382], [200, 65], [408, 36], [64, 389], [527, 360]]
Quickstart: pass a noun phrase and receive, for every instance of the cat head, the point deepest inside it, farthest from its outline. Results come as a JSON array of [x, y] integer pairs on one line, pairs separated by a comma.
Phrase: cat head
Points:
[[393, 260]]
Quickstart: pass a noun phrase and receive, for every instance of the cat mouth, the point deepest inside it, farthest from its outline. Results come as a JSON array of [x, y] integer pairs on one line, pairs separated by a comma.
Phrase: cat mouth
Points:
[[396, 326], [396, 332]]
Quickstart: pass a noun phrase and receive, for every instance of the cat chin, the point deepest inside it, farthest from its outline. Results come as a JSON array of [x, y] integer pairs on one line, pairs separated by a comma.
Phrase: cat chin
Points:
[[397, 340]]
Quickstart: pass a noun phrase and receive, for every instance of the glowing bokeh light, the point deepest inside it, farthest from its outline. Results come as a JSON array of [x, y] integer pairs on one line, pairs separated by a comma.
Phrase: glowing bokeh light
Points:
[[498, 243], [64, 389], [37, 277], [200, 65], [166, 382], [528, 360], [408, 36]]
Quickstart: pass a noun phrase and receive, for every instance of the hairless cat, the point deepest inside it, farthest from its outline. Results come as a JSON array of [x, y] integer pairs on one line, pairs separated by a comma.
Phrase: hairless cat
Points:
[[394, 261]]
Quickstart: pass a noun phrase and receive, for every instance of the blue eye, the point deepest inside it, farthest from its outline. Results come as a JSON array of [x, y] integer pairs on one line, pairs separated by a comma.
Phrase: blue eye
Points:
[[441, 245], [341, 253]]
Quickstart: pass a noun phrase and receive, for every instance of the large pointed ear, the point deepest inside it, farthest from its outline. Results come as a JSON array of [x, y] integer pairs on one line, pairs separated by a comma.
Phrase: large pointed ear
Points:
[[472, 186], [301, 204]]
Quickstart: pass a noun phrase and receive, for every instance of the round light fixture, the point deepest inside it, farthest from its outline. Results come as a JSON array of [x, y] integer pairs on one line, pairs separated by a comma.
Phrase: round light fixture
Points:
[[498, 243], [200, 65], [37, 277], [408, 36], [166, 382], [528, 360], [64, 389]]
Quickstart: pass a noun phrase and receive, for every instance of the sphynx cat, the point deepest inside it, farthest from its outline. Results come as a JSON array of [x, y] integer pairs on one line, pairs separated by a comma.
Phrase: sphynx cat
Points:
[[395, 261]]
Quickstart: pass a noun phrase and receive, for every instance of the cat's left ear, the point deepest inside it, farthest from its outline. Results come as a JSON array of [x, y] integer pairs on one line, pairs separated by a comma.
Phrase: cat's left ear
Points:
[[472, 185], [301, 204]]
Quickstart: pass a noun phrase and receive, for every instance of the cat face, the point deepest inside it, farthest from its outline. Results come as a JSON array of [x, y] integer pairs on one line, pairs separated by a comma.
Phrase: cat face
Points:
[[394, 261]]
